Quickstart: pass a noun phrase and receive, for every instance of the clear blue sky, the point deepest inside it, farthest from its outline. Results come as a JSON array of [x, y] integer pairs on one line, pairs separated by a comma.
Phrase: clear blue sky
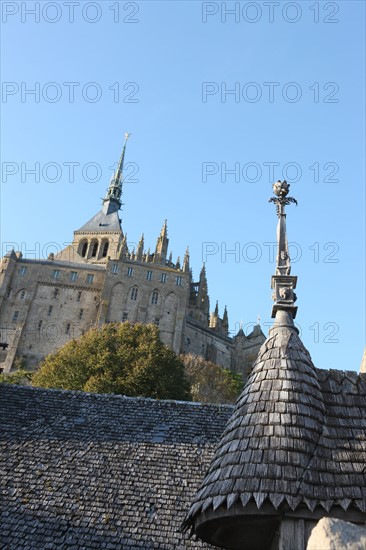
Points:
[[162, 71]]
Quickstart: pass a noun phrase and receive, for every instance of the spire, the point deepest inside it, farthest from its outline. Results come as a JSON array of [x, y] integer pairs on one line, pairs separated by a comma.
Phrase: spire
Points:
[[161, 249], [114, 191], [140, 249], [186, 261], [203, 302], [225, 321], [282, 282], [124, 247], [177, 264], [216, 312]]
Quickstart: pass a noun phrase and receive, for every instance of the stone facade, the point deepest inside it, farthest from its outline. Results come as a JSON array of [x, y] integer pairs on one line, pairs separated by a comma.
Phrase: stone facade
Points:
[[97, 279]]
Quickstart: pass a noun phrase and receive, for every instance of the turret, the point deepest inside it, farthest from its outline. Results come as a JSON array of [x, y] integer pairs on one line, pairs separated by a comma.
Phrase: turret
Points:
[[203, 302]]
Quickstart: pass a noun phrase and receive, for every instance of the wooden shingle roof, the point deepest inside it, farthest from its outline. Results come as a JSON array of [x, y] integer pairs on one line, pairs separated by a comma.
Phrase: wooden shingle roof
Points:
[[296, 439]]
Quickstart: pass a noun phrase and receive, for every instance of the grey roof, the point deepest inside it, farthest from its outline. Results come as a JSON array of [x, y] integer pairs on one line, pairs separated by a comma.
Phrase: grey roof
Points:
[[107, 219], [296, 439], [83, 470]]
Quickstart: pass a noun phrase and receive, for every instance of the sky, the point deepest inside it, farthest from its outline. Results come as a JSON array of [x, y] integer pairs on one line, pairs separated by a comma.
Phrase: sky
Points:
[[221, 100]]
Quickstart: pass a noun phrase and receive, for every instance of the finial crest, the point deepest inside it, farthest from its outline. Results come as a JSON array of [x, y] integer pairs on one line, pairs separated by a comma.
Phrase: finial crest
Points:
[[281, 190]]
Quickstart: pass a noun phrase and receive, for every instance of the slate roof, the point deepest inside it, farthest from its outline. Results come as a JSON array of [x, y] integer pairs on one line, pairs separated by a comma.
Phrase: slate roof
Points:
[[296, 439], [82, 471], [107, 219]]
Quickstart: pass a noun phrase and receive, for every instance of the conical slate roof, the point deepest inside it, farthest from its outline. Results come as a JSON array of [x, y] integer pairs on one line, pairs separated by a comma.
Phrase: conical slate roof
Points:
[[295, 445]]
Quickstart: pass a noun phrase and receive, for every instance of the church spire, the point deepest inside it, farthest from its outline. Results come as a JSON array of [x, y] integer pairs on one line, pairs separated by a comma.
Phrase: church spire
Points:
[[161, 249], [283, 284], [186, 261], [114, 191]]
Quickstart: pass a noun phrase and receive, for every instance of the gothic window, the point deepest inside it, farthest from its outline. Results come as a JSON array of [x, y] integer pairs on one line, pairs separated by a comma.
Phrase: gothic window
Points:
[[178, 280], [84, 248], [149, 275], [55, 274], [15, 316], [105, 249], [134, 293], [129, 271], [89, 278], [94, 250], [114, 268], [155, 297], [22, 270], [73, 276], [124, 316], [163, 278], [50, 310]]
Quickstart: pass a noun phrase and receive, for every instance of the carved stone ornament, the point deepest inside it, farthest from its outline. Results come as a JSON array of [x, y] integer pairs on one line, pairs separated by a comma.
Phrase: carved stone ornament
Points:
[[285, 293]]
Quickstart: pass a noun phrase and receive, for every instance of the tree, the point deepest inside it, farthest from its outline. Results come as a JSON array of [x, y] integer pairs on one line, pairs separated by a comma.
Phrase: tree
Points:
[[209, 382], [116, 358]]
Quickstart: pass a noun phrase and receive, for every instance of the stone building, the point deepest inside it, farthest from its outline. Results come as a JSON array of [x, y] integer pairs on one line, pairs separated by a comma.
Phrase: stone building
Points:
[[87, 471], [97, 279]]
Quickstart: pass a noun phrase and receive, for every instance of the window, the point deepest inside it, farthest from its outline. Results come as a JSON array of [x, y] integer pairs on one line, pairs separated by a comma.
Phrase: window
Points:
[[68, 328], [156, 321], [163, 278], [79, 296], [124, 316], [84, 249], [114, 268], [81, 314], [178, 280], [22, 270], [9, 292], [154, 297], [129, 271], [89, 278], [94, 250], [73, 276], [56, 292], [22, 295], [149, 275], [40, 323], [15, 315], [134, 293], [55, 274], [50, 310], [105, 249]]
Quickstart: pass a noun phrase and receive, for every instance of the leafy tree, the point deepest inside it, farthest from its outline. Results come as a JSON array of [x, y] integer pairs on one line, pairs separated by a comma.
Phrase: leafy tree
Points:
[[209, 382], [116, 358], [20, 375]]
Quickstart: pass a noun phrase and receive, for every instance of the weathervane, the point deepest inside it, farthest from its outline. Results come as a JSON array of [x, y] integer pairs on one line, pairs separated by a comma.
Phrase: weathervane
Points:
[[283, 283]]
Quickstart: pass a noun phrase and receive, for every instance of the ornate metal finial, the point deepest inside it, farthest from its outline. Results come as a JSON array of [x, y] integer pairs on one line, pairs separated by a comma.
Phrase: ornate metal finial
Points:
[[283, 283], [281, 189]]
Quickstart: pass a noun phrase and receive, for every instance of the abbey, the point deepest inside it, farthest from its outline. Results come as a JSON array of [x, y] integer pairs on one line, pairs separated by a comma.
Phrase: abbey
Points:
[[97, 279]]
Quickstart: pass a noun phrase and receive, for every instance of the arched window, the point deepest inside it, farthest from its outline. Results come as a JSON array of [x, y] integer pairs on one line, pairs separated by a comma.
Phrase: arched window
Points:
[[94, 250], [155, 297], [84, 248], [105, 249], [134, 293]]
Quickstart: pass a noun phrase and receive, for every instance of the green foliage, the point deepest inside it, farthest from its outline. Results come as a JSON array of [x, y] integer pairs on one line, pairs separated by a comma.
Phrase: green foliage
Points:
[[209, 382], [20, 377], [116, 358]]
